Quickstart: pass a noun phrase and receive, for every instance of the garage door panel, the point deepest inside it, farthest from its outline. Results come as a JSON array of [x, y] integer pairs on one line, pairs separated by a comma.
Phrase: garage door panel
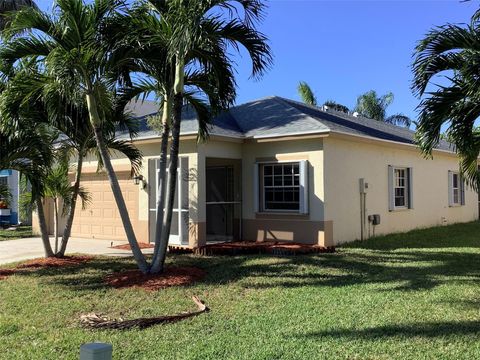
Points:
[[101, 219], [107, 230], [96, 213], [108, 213]]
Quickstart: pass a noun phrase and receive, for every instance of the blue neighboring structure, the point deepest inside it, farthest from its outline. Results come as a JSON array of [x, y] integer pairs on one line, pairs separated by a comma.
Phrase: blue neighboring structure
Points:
[[11, 179]]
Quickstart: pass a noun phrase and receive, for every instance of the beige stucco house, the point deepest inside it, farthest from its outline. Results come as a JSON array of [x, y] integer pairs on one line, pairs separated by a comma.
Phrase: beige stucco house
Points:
[[276, 169]]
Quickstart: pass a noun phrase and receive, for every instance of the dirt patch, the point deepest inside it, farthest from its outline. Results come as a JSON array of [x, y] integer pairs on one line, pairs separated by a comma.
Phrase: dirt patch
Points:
[[172, 276], [127, 246], [4, 273], [54, 262]]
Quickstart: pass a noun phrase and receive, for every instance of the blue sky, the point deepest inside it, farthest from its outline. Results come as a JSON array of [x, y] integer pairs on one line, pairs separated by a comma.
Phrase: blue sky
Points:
[[344, 48]]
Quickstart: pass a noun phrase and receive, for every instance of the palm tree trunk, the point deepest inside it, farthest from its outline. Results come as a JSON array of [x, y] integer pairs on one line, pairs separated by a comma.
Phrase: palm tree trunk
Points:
[[43, 228], [159, 261], [55, 223], [161, 191], [71, 211], [117, 192]]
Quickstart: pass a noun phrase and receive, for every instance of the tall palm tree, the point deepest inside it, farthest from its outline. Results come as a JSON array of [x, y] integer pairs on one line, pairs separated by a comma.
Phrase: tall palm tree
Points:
[[71, 44], [198, 39], [34, 96], [375, 107], [216, 84], [306, 93], [450, 52]]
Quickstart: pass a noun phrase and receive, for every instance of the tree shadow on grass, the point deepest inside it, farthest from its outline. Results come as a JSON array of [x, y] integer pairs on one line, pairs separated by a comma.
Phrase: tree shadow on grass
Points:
[[414, 271], [83, 277], [404, 269], [424, 330]]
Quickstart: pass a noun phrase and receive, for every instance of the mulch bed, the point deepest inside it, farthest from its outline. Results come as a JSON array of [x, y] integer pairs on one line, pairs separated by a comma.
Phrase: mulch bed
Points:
[[45, 263], [4, 273], [54, 262], [127, 246], [172, 276], [266, 247]]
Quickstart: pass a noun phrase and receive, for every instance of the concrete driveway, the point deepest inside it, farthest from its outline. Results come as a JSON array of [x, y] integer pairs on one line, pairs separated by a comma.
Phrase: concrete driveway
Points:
[[31, 248]]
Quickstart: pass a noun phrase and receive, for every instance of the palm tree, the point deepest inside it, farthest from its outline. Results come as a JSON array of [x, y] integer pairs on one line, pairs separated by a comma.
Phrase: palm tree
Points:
[[375, 107], [58, 188], [34, 96], [306, 93], [70, 43], [9, 6], [199, 41], [216, 84], [308, 97], [450, 52], [29, 151]]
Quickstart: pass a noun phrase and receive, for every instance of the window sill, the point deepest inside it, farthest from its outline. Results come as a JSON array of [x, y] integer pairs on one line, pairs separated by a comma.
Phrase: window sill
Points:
[[400, 209], [281, 215], [456, 205]]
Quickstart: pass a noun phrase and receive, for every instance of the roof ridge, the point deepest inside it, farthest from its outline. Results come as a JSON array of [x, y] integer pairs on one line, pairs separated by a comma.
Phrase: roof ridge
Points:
[[285, 102], [350, 117]]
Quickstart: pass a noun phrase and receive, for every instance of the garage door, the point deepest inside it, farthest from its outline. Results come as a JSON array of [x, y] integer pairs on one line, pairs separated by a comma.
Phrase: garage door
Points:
[[101, 219]]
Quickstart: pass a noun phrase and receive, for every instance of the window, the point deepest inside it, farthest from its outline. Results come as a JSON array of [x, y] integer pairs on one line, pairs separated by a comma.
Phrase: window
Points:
[[3, 180], [281, 187], [456, 189], [400, 188]]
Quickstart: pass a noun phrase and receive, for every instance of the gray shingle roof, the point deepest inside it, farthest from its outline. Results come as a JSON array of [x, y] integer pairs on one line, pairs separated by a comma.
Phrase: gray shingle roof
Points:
[[277, 116]]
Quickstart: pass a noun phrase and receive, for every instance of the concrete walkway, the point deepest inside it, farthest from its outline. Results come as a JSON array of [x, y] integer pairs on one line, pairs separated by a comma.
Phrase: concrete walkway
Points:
[[31, 248]]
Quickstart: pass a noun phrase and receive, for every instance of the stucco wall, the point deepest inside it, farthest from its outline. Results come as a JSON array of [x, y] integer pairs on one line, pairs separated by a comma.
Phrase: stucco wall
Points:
[[149, 150], [348, 159], [290, 227]]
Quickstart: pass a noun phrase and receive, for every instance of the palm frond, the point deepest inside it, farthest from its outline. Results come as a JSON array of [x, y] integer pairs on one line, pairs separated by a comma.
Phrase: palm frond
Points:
[[306, 93]]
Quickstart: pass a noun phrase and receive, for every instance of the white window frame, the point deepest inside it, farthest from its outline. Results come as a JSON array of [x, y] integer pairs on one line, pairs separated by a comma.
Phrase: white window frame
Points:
[[259, 187], [280, 187], [405, 186], [392, 186], [460, 189]]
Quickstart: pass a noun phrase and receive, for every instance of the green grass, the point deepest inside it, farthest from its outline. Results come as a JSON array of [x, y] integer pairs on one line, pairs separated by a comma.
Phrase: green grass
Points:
[[407, 296], [21, 232]]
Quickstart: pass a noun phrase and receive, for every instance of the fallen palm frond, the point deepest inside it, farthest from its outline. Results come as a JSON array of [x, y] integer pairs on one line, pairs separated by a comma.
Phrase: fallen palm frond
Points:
[[98, 321]]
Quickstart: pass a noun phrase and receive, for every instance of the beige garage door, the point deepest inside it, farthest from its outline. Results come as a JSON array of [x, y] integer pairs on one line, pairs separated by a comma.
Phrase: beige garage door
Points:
[[101, 219]]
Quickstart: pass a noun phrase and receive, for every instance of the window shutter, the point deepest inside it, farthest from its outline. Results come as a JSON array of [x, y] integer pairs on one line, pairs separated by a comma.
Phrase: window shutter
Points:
[[450, 188], [304, 187], [391, 197], [462, 191], [256, 197], [410, 188]]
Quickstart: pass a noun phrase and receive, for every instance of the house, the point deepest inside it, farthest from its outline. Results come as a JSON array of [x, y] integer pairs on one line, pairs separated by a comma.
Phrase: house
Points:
[[277, 169], [10, 215]]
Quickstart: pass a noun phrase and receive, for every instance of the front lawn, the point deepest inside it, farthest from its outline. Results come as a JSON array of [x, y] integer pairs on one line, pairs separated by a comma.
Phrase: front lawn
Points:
[[410, 296], [19, 233]]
